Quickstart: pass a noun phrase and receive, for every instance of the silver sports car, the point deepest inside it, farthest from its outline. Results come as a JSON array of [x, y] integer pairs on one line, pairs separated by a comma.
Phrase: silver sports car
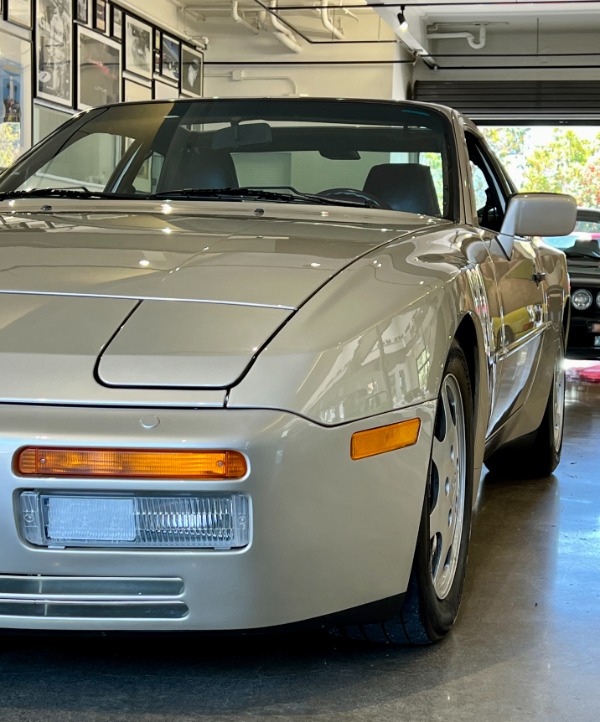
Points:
[[254, 354]]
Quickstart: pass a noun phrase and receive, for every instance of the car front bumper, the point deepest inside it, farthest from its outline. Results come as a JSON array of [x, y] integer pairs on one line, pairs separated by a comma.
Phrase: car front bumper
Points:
[[327, 533]]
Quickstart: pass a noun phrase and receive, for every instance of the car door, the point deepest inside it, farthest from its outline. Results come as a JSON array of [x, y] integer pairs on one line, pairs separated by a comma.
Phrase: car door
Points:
[[520, 319]]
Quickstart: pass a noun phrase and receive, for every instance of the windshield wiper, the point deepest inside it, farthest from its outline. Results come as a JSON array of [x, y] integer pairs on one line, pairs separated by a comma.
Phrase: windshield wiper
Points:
[[77, 192], [227, 194]]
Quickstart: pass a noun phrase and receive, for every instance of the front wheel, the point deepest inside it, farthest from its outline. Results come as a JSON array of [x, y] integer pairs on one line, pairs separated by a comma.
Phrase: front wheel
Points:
[[432, 600]]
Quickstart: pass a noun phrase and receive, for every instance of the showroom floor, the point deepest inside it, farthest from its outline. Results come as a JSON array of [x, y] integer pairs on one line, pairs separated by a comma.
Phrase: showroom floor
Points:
[[526, 647]]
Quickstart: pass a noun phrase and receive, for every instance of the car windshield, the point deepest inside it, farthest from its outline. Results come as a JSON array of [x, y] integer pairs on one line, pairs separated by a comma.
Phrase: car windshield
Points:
[[378, 154], [584, 240]]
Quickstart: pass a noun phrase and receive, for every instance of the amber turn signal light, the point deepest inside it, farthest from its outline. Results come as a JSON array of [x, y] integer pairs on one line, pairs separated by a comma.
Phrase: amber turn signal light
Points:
[[131, 463], [384, 438]]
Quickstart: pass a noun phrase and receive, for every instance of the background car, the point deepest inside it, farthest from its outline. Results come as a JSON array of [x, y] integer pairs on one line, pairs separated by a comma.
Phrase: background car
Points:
[[254, 354], [582, 247]]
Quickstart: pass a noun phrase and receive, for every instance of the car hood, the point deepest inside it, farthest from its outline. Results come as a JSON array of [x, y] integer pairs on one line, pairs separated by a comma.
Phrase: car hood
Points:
[[163, 297]]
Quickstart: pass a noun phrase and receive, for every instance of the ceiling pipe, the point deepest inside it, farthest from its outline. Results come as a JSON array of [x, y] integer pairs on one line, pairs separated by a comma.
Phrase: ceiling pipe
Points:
[[469, 37], [235, 14], [282, 33], [323, 11]]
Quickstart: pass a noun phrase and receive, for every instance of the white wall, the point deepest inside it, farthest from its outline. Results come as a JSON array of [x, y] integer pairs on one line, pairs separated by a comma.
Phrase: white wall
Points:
[[343, 69]]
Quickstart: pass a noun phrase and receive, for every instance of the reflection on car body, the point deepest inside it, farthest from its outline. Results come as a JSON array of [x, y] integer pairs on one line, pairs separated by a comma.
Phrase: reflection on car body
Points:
[[255, 354]]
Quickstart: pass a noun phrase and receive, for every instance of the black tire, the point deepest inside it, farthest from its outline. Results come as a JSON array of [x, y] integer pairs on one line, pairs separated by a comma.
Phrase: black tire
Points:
[[537, 454], [426, 615]]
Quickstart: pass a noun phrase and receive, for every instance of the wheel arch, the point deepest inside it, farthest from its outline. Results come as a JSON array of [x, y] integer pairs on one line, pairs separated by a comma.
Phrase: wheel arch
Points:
[[469, 336]]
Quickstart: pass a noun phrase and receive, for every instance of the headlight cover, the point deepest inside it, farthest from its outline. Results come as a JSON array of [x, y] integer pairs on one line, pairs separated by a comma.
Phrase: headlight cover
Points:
[[581, 299]]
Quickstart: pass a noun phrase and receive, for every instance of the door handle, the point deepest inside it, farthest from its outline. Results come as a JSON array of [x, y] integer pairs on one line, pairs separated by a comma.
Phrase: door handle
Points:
[[538, 277]]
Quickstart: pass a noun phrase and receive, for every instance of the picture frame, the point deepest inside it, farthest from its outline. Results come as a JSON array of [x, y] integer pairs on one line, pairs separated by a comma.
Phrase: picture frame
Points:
[[134, 91], [100, 15], [165, 91], [82, 11], [170, 58], [54, 51], [116, 23], [192, 71], [99, 69], [19, 12], [138, 47]]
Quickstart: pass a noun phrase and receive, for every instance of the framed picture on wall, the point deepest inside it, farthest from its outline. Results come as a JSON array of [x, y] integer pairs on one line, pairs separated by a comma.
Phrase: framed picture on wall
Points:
[[136, 91], [82, 11], [191, 71], [18, 11], [100, 15], [164, 91], [54, 50], [116, 23], [170, 57], [138, 47], [99, 70]]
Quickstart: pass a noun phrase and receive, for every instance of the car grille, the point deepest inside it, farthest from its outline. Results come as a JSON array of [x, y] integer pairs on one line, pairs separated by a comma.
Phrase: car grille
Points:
[[91, 597]]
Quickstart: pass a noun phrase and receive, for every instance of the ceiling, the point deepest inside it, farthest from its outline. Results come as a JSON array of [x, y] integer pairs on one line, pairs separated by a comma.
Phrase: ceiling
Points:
[[443, 34]]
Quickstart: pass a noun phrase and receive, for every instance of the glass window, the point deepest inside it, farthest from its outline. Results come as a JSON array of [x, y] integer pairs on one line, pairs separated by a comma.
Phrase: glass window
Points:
[[45, 120], [15, 85], [87, 163], [381, 155]]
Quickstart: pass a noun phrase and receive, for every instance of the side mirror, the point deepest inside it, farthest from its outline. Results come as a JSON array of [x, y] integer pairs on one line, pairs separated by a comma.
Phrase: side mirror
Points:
[[537, 214]]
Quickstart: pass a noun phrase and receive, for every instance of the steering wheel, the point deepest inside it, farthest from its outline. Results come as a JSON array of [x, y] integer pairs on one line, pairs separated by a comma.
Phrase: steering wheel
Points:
[[354, 195]]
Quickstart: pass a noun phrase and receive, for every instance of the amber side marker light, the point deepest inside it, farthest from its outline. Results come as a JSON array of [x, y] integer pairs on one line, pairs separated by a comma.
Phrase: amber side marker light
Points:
[[130, 463], [384, 438]]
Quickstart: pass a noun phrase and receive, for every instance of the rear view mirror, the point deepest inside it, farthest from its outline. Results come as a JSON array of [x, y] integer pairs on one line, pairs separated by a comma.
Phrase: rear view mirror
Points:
[[240, 135]]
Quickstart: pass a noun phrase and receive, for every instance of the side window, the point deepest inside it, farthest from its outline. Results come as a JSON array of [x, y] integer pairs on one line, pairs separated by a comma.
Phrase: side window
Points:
[[490, 195]]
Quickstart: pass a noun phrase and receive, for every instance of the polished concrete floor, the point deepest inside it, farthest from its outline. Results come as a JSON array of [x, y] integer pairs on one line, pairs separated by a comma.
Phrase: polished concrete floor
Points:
[[526, 647]]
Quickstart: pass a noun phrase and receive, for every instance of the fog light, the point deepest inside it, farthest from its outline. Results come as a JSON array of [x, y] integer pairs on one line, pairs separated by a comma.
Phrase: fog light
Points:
[[210, 521]]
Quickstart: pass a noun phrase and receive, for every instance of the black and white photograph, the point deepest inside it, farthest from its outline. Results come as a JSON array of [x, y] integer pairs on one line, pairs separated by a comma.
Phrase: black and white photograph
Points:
[[18, 12], [100, 15], [117, 23], [191, 71], [99, 80], [138, 47], [54, 50], [82, 11], [171, 55]]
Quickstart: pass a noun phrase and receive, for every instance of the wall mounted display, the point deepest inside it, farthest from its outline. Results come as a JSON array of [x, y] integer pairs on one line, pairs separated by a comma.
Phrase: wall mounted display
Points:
[[82, 11], [191, 71], [138, 47], [99, 79], [170, 57], [100, 15], [116, 29], [19, 12], [136, 91], [164, 91], [54, 50]]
